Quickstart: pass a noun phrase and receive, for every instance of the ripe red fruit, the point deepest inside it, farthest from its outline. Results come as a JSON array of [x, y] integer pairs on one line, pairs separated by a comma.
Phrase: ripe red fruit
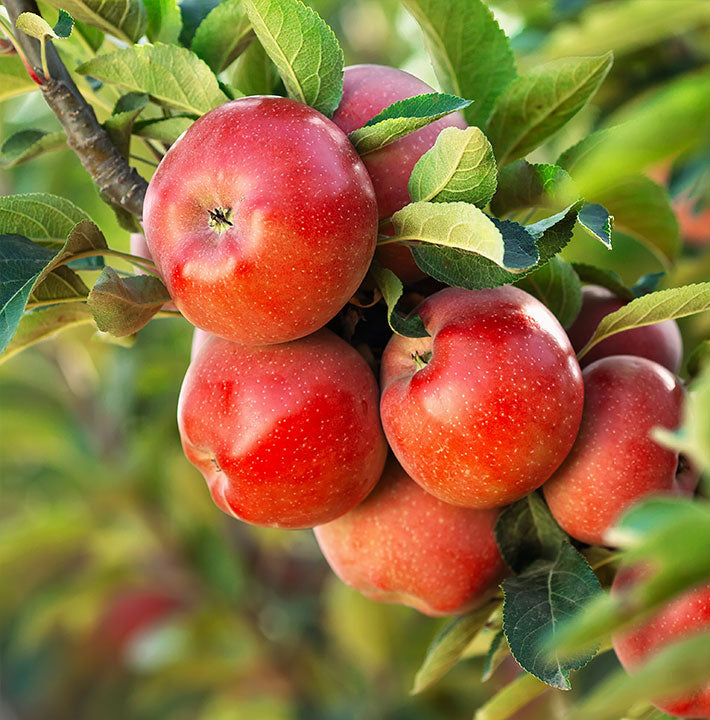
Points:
[[684, 616], [285, 435], [199, 338], [496, 406], [614, 461], [660, 342], [402, 545], [262, 220], [368, 89]]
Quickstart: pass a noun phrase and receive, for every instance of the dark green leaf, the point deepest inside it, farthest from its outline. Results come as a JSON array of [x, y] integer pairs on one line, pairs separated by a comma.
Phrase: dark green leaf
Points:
[[391, 288], [592, 275], [120, 124], [193, 13], [64, 25], [27, 144], [223, 35], [647, 283], [597, 221]]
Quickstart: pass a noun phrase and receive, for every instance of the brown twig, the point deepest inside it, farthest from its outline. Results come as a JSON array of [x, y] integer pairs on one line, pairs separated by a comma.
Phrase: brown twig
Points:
[[99, 156]]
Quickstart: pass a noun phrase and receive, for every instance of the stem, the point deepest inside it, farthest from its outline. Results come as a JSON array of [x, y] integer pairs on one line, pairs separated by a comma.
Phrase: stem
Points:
[[391, 239], [58, 301], [143, 160], [167, 314], [142, 263], [511, 698], [43, 51]]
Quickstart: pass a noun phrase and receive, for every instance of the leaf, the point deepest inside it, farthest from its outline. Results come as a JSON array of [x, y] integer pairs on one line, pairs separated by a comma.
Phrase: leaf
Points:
[[652, 308], [538, 104], [464, 227], [459, 168], [171, 75], [475, 272], [448, 646], [120, 124], [597, 221], [522, 185], [166, 130], [536, 602], [223, 35], [303, 48], [14, 78], [37, 27], [84, 237], [526, 532], [27, 144], [511, 698], [402, 118], [497, 652], [698, 359], [590, 274], [61, 284], [39, 216], [193, 13], [472, 56], [254, 73], [122, 306], [164, 21], [647, 283], [124, 19], [391, 288], [43, 323]]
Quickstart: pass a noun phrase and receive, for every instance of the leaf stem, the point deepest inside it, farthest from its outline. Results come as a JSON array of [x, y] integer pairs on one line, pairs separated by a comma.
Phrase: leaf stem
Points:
[[56, 301], [511, 698], [142, 263], [43, 52]]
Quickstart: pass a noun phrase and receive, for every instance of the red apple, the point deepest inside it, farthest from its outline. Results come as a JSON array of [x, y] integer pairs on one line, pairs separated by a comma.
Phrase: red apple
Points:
[[199, 338], [686, 615], [614, 461], [286, 435], [262, 220], [484, 410], [402, 545], [660, 342], [368, 89]]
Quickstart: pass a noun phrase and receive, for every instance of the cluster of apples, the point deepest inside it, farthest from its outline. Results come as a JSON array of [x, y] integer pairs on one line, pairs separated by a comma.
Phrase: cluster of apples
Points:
[[263, 220]]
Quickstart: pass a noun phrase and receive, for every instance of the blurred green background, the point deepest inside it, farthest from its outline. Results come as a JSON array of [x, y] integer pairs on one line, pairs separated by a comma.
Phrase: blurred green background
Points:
[[124, 592]]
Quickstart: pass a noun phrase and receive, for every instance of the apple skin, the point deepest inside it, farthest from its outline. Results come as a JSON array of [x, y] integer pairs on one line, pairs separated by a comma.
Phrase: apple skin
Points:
[[660, 342], [684, 616], [199, 338], [496, 409], [368, 89], [614, 462], [303, 220], [285, 435], [402, 545]]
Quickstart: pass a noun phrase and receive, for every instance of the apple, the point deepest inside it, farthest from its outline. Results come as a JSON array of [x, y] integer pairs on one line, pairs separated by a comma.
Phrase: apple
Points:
[[262, 220], [199, 338], [368, 89], [660, 342], [614, 461], [402, 545], [285, 435], [684, 616], [485, 409]]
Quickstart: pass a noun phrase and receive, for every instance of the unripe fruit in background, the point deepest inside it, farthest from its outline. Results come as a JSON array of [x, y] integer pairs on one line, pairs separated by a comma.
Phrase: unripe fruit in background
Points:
[[402, 545], [482, 412], [614, 461], [262, 220], [660, 342], [285, 435], [684, 616], [368, 89]]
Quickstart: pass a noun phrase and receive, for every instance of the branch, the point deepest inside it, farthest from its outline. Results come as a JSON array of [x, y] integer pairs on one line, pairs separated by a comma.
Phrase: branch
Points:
[[110, 171]]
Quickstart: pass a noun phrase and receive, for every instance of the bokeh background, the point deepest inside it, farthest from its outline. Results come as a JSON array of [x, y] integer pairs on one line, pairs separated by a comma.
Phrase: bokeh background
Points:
[[124, 592]]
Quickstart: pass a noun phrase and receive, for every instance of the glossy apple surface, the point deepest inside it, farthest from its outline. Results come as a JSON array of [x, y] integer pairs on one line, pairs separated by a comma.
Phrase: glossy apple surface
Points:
[[686, 615], [262, 220], [368, 89], [614, 461], [660, 342], [199, 338], [402, 545], [496, 404], [285, 435]]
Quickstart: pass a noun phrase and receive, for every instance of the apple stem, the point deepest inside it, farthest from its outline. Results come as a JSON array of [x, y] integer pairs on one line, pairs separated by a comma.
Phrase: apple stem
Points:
[[421, 361], [220, 219]]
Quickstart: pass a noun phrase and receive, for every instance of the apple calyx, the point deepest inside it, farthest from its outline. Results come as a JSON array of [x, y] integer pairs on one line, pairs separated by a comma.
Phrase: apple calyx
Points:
[[421, 360], [220, 219]]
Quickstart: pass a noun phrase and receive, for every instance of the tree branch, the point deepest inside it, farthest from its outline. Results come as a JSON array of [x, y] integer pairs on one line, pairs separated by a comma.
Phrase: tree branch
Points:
[[110, 171]]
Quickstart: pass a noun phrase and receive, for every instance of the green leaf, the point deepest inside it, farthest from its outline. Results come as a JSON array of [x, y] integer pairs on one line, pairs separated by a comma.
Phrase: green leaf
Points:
[[170, 75], [497, 652], [27, 144], [538, 104], [402, 118], [526, 532], [448, 646], [39, 216], [460, 167], [592, 275], [37, 27], [652, 308], [511, 698], [522, 185], [254, 73], [120, 124], [698, 359], [597, 221], [164, 21], [223, 35], [471, 54], [166, 130], [94, 38], [14, 78], [391, 288], [193, 13], [61, 285], [462, 226], [303, 48], [647, 283], [536, 602], [122, 306], [124, 19], [475, 272], [43, 323]]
